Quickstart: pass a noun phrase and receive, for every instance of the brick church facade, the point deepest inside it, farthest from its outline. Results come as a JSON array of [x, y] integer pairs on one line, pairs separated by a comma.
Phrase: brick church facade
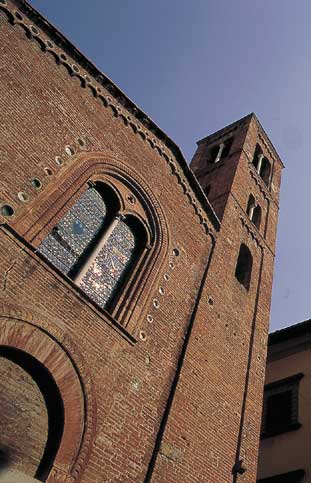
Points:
[[134, 291]]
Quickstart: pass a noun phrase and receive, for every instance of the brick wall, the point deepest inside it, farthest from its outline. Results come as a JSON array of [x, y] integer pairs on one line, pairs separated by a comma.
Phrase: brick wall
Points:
[[165, 396], [24, 421]]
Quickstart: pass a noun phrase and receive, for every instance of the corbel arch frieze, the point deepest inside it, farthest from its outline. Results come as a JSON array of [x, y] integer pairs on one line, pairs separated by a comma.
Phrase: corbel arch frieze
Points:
[[39, 215], [49, 343], [101, 87]]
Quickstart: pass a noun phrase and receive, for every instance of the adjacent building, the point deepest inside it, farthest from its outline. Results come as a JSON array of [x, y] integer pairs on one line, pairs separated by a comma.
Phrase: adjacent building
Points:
[[286, 423]]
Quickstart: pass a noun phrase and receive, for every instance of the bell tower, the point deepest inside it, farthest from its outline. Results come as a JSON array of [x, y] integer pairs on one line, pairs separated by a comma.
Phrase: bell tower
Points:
[[222, 375], [223, 157]]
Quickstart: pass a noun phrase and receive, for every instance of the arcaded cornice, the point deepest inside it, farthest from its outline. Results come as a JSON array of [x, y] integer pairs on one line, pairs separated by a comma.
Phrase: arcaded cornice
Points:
[[65, 53]]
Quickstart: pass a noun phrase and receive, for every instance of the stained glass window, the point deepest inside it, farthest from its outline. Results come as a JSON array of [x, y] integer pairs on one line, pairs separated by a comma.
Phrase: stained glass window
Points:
[[110, 266], [69, 247], [74, 232]]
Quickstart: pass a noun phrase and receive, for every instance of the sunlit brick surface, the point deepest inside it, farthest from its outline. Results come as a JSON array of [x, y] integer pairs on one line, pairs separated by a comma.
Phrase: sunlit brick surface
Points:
[[176, 369]]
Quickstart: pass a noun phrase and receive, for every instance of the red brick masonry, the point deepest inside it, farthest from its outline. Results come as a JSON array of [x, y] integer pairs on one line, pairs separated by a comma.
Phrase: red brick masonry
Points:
[[167, 387]]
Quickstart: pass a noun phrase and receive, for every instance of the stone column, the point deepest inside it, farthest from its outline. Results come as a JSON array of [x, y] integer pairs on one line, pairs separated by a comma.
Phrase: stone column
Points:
[[220, 150], [259, 165], [97, 248]]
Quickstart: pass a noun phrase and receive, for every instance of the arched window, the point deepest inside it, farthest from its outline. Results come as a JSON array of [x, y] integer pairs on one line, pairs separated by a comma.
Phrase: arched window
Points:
[[220, 151], [257, 154], [256, 218], [250, 206], [95, 245], [227, 147], [214, 154], [244, 266], [254, 211], [265, 170], [262, 165]]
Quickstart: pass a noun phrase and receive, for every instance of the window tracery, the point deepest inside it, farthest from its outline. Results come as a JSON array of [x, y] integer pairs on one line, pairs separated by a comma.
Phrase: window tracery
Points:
[[95, 244]]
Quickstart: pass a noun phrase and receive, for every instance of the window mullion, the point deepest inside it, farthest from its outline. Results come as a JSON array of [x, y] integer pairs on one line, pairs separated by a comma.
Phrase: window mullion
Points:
[[219, 154], [251, 212], [259, 165], [96, 249]]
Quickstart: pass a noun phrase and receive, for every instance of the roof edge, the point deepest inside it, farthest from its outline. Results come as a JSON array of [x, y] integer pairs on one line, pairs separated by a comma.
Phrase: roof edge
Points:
[[225, 128], [249, 117], [290, 332], [254, 116], [62, 42]]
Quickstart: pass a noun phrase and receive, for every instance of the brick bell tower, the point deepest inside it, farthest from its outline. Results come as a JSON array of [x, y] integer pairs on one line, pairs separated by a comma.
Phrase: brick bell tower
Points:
[[216, 410]]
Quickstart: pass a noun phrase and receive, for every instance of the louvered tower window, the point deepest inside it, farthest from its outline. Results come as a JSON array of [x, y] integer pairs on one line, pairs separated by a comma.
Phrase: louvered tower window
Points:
[[280, 406]]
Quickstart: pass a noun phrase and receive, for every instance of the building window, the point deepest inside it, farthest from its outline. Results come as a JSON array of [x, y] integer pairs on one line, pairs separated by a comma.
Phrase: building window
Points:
[[257, 154], [256, 218], [262, 165], [280, 407], [265, 170], [214, 153], [250, 206], [244, 266], [291, 477], [254, 211], [95, 246], [220, 151]]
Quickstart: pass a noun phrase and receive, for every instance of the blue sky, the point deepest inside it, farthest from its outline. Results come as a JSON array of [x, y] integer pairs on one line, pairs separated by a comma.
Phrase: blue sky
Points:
[[195, 66]]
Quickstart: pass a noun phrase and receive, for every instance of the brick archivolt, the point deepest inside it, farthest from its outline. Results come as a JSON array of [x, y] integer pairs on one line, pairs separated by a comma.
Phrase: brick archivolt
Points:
[[36, 221], [49, 343], [39, 217]]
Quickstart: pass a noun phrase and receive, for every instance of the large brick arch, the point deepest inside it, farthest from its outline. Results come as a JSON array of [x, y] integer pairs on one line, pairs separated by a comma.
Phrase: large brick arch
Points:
[[49, 344], [39, 217], [50, 203]]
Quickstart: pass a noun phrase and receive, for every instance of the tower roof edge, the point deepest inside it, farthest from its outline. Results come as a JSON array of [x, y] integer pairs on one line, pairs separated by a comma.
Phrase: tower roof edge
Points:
[[260, 127]]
